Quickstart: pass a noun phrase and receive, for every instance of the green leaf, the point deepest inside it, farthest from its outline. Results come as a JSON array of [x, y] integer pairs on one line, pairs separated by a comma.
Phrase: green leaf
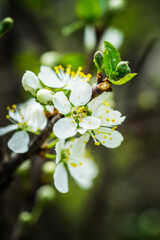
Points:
[[71, 28], [111, 58], [5, 25], [89, 10], [123, 80]]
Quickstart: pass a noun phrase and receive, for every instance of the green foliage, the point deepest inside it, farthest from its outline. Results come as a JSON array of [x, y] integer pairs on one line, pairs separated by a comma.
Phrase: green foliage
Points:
[[123, 80], [116, 70], [111, 58], [5, 25], [89, 10]]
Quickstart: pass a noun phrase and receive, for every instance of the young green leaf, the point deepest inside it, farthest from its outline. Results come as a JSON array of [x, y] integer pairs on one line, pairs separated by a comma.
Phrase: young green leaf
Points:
[[111, 58], [123, 80], [5, 25]]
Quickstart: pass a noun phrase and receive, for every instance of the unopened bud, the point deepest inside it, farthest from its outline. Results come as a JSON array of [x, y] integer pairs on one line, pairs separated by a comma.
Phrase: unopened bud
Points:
[[49, 168], [117, 5], [45, 96], [122, 69], [45, 195], [5, 25], [98, 60], [25, 218], [30, 83], [24, 168]]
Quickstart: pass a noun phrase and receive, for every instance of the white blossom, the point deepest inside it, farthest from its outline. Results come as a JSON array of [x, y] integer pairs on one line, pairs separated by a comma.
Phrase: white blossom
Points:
[[30, 82], [109, 118], [71, 156], [73, 109], [61, 78], [26, 117]]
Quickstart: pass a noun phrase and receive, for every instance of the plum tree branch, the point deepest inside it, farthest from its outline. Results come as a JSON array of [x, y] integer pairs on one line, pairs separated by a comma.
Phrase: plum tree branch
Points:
[[8, 168]]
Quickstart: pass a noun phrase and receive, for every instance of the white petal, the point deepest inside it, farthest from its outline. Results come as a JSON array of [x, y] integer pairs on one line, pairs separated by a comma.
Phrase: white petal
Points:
[[61, 102], [81, 94], [49, 78], [61, 178], [109, 138], [65, 127], [90, 122], [112, 118], [98, 101], [18, 143], [84, 173], [30, 82], [9, 128], [82, 130], [79, 146], [59, 147], [89, 37]]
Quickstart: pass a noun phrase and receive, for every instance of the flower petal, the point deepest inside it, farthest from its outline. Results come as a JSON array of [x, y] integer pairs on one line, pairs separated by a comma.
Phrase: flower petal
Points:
[[30, 82], [9, 128], [49, 78], [61, 102], [18, 143], [61, 178], [79, 146], [90, 122], [84, 173], [109, 138], [81, 94], [59, 147], [65, 127]]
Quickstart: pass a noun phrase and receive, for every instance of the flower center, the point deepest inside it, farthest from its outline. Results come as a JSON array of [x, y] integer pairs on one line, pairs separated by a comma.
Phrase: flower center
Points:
[[78, 112]]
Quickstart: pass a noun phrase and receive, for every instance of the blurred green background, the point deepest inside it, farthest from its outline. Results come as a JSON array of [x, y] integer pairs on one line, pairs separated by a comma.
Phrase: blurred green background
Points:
[[124, 203]]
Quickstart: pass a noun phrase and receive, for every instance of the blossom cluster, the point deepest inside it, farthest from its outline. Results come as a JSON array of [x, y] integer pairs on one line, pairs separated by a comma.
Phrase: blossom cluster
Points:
[[69, 94]]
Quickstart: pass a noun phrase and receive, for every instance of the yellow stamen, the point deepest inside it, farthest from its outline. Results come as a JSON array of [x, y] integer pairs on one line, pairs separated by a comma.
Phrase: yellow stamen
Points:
[[14, 106], [7, 116], [107, 119], [67, 151], [73, 164], [110, 138], [97, 143], [8, 108], [104, 102]]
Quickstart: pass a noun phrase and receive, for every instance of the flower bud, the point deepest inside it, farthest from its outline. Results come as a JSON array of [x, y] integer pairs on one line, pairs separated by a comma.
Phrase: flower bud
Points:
[[24, 168], [45, 195], [5, 25], [30, 83], [45, 96], [49, 168], [98, 60], [25, 218], [122, 69]]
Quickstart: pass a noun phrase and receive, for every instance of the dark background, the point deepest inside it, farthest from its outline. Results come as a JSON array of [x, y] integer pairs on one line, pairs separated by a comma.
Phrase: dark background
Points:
[[125, 200]]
